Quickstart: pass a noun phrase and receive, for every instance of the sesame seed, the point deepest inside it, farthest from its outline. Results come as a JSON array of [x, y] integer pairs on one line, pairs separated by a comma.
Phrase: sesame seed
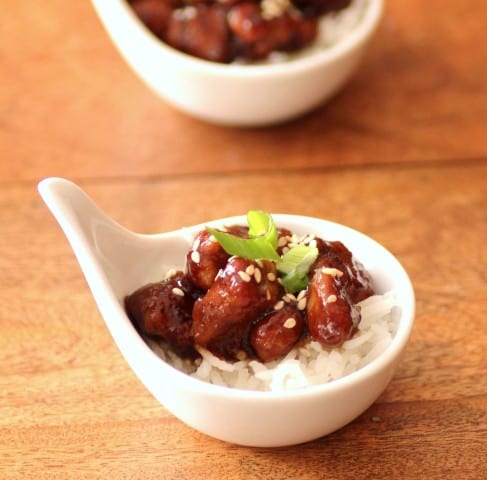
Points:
[[331, 299], [244, 276], [196, 244], [170, 273], [250, 269], [290, 297], [313, 243], [334, 272], [279, 305], [241, 355], [267, 294], [282, 241], [274, 8], [212, 238], [290, 323], [195, 256], [301, 294], [260, 263], [271, 277], [257, 275], [185, 13], [177, 291], [285, 250], [302, 303]]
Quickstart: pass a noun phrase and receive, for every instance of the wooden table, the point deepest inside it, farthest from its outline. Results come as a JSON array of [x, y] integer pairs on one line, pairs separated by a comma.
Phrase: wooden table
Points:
[[400, 154]]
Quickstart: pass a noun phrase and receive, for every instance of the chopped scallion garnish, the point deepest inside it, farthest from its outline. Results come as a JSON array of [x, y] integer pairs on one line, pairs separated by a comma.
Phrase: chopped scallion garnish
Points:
[[295, 265], [251, 248], [262, 244], [261, 224]]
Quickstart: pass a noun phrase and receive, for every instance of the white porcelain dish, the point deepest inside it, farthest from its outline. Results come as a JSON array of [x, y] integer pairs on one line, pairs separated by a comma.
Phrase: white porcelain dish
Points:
[[236, 95], [116, 261]]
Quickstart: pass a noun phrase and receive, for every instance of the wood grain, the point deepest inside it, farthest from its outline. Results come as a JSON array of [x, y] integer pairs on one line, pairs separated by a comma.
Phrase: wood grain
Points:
[[399, 154], [71, 107]]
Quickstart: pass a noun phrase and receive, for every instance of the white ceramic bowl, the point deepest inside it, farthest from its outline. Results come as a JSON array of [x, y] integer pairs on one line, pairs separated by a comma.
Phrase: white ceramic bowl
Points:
[[236, 95], [115, 262]]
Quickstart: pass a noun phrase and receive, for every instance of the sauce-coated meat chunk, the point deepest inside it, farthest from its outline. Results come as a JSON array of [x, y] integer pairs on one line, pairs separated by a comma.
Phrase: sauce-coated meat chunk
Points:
[[256, 36], [354, 277], [241, 292], [203, 33], [319, 7], [164, 310], [207, 257], [275, 334], [337, 283], [155, 14], [330, 314]]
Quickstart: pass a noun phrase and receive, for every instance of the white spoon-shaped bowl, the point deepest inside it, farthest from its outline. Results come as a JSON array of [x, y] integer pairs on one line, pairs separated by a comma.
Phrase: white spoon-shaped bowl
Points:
[[116, 261]]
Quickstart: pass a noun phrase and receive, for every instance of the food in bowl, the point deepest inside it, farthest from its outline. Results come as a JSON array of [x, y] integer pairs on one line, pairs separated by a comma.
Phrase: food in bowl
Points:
[[252, 94], [226, 31], [258, 307], [115, 261]]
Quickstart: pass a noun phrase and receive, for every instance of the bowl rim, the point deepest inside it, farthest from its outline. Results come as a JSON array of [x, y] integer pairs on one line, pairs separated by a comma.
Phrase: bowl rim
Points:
[[358, 36], [385, 359]]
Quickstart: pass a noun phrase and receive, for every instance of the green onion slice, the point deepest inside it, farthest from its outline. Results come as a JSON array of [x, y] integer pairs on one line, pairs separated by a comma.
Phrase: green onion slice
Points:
[[295, 265], [299, 259], [261, 224], [262, 243], [250, 248], [294, 283]]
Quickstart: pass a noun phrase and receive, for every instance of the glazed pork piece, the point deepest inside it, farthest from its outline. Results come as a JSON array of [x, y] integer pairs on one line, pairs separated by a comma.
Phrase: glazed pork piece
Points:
[[276, 333], [354, 278], [242, 292], [337, 284], [239, 308], [164, 310], [207, 257], [224, 30]]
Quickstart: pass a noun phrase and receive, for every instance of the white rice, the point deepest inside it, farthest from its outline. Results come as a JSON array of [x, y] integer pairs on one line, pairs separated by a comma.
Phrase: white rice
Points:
[[332, 28], [311, 364]]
